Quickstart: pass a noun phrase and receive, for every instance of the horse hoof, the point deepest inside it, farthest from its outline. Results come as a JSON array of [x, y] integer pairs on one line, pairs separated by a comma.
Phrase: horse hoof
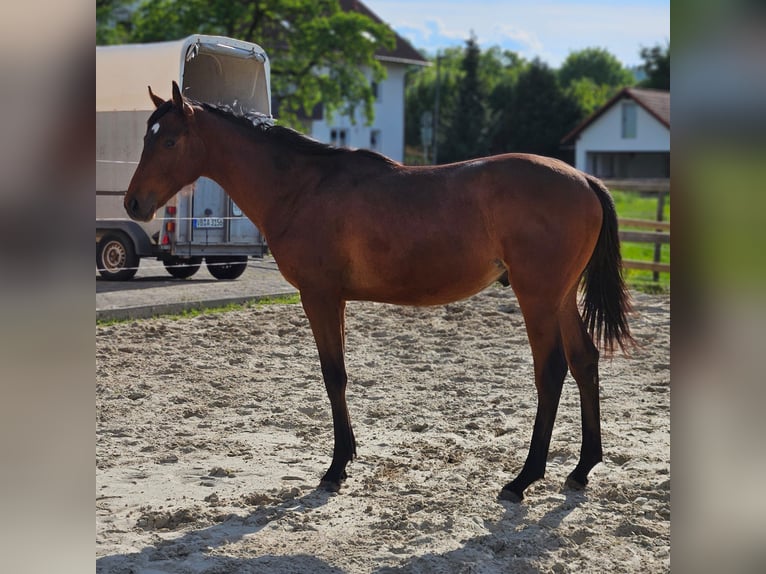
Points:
[[330, 485], [574, 484], [510, 496]]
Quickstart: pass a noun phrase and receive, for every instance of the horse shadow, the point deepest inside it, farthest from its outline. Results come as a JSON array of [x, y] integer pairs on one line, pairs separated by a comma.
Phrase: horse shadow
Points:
[[190, 552], [515, 543]]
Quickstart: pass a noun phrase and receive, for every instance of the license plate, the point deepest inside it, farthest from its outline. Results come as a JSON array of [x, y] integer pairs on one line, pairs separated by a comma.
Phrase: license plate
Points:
[[208, 223]]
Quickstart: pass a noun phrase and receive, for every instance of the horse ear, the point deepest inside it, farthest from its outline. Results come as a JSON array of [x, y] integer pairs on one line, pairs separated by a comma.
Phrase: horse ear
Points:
[[158, 101], [179, 102]]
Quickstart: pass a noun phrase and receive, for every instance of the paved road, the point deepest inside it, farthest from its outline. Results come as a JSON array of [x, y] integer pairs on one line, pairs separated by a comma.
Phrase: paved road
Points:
[[153, 291]]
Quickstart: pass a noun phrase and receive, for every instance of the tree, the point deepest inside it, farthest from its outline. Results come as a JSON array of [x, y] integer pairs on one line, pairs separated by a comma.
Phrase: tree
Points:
[[465, 135], [596, 64], [657, 67], [509, 104], [319, 53], [589, 96], [591, 76], [420, 94], [536, 114], [112, 21], [497, 65]]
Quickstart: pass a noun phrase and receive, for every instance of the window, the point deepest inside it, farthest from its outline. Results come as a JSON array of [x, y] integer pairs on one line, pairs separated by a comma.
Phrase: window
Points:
[[375, 87], [338, 137], [375, 140], [629, 112]]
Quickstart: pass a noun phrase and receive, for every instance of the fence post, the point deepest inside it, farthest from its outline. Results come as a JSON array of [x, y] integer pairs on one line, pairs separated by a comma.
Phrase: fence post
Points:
[[658, 246]]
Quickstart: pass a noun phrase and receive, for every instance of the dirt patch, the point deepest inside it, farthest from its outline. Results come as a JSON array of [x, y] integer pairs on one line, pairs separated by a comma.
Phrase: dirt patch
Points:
[[213, 433]]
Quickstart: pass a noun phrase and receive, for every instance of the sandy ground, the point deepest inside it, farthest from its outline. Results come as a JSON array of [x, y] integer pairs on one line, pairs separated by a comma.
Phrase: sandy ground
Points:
[[213, 433]]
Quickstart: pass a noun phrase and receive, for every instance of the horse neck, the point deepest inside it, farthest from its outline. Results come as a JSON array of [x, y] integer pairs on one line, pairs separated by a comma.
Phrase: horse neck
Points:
[[244, 167]]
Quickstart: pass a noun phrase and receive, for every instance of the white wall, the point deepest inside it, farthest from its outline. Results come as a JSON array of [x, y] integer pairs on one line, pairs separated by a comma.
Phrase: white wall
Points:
[[389, 119], [605, 135]]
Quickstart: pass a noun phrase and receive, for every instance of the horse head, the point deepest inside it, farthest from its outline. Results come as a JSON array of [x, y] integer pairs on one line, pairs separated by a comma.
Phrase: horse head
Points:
[[172, 157]]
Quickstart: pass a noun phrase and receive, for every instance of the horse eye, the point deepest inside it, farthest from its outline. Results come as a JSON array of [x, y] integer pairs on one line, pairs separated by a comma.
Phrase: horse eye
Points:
[[170, 143]]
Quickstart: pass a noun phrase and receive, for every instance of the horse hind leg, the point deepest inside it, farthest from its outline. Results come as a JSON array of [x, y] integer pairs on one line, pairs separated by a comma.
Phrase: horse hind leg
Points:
[[550, 369], [582, 357]]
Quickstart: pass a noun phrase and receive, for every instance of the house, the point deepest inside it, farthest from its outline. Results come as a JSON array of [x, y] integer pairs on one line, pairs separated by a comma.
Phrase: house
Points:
[[386, 133], [627, 138]]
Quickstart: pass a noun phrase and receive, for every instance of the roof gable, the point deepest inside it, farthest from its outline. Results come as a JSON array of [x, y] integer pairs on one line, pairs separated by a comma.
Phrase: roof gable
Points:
[[655, 102], [403, 52]]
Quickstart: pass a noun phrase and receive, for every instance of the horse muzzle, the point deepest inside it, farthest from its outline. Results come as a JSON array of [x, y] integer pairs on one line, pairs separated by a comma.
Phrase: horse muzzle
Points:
[[138, 211]]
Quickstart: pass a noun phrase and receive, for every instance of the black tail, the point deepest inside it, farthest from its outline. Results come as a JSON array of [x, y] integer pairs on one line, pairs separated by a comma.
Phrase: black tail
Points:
[[606, 301]]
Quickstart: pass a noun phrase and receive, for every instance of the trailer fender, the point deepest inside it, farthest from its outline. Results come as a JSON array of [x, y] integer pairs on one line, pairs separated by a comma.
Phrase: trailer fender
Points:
[[142, 242]]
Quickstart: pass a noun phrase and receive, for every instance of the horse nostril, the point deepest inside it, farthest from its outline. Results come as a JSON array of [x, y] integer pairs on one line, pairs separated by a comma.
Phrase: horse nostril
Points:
[[133, 207]]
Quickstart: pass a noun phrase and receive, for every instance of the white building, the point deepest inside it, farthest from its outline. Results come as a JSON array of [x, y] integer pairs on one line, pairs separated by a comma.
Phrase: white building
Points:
[[629, 137], [386, 133]]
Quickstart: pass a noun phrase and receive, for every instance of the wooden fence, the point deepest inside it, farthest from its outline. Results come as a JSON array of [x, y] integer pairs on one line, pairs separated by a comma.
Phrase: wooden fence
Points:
[[658, 231]]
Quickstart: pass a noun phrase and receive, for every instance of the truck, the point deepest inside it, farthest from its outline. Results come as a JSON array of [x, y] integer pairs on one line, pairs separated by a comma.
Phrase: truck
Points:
[[201, 222]]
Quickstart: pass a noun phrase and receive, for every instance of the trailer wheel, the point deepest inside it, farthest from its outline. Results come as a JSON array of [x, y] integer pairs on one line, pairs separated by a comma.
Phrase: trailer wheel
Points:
[[116, 258], [225, 267], [182, 267]]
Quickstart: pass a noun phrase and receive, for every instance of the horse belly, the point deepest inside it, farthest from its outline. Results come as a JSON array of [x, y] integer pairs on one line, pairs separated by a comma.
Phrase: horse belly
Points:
[[415, 275]]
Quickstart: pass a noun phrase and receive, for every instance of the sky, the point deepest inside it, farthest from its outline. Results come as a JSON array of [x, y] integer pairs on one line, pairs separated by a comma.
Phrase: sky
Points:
[[548, 29]]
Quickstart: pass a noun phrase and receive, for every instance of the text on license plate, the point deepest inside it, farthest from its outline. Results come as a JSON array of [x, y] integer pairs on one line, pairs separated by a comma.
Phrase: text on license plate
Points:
[[208, 222]]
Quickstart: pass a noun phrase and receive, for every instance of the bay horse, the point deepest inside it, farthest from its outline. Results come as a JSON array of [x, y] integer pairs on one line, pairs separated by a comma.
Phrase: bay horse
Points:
[[354, 225]]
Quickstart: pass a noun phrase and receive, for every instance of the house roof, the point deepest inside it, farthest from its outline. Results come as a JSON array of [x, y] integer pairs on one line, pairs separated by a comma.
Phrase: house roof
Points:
[[655, 102], [403, 52]]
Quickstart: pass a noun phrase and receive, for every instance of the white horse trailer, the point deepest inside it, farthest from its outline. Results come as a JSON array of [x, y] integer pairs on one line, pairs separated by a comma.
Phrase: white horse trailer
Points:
[[201, 222]]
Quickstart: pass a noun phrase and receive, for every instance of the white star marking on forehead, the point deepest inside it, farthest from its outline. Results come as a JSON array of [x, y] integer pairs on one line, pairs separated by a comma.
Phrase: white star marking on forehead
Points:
[[156, 127]]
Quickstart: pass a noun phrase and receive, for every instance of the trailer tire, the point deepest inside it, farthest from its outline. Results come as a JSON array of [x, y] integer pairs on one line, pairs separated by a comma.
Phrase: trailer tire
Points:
[[116, 258], [226, 267], [182, 267]]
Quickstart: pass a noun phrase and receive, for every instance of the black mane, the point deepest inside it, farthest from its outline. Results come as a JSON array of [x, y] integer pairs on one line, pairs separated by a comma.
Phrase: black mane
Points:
[[283, 135]]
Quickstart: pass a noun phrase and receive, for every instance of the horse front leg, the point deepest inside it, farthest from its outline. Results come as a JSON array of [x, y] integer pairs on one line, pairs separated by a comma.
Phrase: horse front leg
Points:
[[326, 317]]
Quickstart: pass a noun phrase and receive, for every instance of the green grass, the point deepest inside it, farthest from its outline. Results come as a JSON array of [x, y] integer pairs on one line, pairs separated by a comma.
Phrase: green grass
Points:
[[196, 312], [642, 206], [639, 206], [255, 303]]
